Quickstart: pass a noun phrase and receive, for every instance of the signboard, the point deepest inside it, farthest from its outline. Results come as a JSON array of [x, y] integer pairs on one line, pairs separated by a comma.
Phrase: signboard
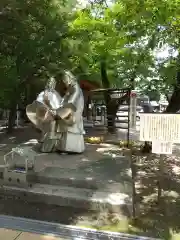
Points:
[[114, 93], [162, 147], [118, 95], [160, 127]]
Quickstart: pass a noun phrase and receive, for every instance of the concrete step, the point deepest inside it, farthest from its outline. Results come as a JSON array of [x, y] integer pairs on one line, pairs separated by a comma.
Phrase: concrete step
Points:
[[67, 177], [89, 178], [70, 196]]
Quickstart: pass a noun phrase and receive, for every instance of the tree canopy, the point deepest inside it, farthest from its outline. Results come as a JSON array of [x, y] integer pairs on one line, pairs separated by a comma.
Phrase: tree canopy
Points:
[[125, 37], [125, 43], [32, 40]]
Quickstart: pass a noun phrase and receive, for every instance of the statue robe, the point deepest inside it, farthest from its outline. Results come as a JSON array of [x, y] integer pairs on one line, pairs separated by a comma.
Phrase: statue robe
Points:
[[57, 135]]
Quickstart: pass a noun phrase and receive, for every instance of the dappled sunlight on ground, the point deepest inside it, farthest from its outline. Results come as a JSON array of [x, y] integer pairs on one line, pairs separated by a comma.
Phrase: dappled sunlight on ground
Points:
[[160, 220], [85, 160], [176, 170], [31, 142], [109, 150], [106, 161]]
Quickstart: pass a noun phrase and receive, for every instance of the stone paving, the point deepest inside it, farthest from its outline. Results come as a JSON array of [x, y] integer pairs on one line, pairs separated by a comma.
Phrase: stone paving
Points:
[[101, 167], [8, 234], [28, 137]]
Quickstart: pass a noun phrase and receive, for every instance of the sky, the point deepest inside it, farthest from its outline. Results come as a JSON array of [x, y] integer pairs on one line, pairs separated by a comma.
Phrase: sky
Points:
[[82, 3], [165, 52], [160, 54]]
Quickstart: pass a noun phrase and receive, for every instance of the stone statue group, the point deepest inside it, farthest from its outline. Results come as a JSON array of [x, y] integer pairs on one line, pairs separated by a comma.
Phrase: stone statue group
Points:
[[58, 113]]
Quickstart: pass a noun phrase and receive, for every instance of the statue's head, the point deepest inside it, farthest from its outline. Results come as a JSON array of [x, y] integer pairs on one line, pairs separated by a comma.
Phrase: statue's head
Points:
[[64, 80], [68, 78], [51, 84], [61, 81]]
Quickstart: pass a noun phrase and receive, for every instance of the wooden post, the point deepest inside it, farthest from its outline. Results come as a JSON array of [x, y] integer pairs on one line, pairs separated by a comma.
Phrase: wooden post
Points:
[[133, 170], [160, 178], [133, 178], [128, 133]]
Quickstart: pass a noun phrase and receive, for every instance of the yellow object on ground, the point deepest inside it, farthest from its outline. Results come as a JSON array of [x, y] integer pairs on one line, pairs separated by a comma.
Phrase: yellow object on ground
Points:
[[94, 140]]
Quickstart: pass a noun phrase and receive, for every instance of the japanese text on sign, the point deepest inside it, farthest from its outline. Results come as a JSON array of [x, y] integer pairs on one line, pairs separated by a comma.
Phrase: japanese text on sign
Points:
[[162, 147], [161, 127]]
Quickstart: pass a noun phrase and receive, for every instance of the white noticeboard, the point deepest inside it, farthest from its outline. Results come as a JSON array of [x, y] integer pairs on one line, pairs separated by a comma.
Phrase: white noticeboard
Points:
[[162, 147], [160, 127]]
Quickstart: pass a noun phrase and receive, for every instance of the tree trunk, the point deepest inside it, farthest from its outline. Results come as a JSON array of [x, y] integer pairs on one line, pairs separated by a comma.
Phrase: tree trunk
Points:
[[167, 98], [13, 111], [104, 76], [12, 118], [111, 106], [174, 103]]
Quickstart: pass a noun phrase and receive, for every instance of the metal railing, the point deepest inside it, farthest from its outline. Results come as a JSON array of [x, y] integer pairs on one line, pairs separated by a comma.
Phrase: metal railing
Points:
[[63, 231], [105, 119]]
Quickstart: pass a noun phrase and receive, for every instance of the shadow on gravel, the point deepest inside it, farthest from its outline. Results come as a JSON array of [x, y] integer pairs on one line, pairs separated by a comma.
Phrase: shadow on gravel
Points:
[[159, 219], [40, 211]]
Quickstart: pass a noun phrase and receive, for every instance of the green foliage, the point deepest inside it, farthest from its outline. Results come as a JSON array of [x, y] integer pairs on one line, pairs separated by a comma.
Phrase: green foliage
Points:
[[40, 37], [125, 35], [32, 40]]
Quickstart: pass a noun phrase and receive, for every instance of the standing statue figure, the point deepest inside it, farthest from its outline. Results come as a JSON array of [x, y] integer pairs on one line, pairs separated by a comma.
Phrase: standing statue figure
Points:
[[59, 115]]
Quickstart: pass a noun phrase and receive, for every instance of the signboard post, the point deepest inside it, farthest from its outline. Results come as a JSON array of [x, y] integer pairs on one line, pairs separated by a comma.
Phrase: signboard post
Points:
[[162, 130]]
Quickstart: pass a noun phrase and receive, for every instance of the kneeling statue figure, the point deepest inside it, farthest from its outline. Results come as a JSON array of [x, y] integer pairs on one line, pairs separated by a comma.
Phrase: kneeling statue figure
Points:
[[59, 115]]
